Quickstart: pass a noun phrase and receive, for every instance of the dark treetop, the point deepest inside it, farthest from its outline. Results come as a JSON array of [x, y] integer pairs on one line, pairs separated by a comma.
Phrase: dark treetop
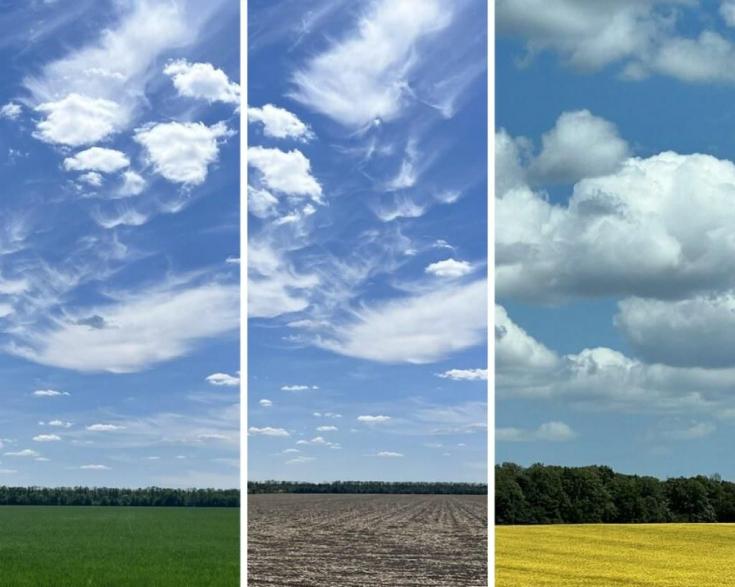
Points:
[[149, 496], [544, 494], [366, 487]]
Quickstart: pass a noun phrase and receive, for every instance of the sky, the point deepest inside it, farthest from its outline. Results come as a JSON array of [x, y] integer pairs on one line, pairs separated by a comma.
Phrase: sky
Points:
[[615, 234], [119, 243], [367, 245]]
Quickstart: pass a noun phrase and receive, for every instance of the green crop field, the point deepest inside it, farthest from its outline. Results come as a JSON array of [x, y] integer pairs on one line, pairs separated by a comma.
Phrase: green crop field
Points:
[[67, 546], [670, 555]]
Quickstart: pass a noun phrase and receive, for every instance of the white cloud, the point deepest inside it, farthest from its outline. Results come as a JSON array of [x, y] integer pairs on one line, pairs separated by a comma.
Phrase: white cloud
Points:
[[46, 438], [268, 431], [11, 111], [96, 90], [327, 429], [60, 424], [77, 120], [705, 59], [261, 203], [182, 151], [450, 268], [25, 453], [279, 123], [6, 310], [287, 172], [274, 287], [97, 159], [696, 430], [465, 374], [223, 379], [380, 419], [49, 393], [133, 184], [696, 332], [95, 467], [549, 431], [580, 145], [296, 388], [8, 471], [515, 350], [416, 329], [300, 460], [202, 80], [727, 12], [105, 427], [91, 178], [265, 403], [139, 330], [389, 454], [364, 76], [635, 232]]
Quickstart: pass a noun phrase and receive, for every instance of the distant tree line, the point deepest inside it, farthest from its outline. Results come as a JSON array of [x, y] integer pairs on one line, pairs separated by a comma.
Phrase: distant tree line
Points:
[[542, 494], [366, 487], [111, 496]]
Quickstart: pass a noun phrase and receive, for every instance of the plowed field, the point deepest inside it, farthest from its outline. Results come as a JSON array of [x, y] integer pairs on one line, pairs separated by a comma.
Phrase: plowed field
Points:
[[367, 540]]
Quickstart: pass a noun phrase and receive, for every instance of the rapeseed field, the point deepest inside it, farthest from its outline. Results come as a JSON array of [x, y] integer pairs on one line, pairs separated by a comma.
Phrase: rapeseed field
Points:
[[601, 555]]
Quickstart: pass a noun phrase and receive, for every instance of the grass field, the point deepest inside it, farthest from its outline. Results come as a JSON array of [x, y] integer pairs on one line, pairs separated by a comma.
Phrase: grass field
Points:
[[61, 546], [602, 555], [330, 540]]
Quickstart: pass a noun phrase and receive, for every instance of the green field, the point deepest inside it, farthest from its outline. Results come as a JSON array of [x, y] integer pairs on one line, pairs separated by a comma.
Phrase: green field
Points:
[[598, 555], [67, 546]]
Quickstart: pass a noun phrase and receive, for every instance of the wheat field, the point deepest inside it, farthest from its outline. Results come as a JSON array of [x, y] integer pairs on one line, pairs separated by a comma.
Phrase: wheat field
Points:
[[615, 554]]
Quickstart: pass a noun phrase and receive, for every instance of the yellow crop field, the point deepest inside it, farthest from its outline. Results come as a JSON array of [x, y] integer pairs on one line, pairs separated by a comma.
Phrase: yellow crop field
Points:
[[598, 555]]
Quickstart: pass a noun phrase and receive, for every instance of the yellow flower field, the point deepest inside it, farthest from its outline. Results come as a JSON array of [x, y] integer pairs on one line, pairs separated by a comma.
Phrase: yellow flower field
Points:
[[615, 554]]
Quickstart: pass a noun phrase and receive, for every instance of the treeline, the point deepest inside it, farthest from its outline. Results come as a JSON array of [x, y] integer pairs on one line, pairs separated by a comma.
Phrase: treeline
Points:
[[366, 487], [542, 494], [110, 496]]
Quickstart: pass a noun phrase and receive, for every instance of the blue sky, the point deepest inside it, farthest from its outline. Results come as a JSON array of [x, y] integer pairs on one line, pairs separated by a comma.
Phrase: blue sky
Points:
[[367, 203], [119, 243], [615, 234]]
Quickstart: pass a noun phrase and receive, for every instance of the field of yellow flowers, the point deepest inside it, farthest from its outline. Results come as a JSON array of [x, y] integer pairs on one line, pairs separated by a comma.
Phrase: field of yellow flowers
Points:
[[601, 555]]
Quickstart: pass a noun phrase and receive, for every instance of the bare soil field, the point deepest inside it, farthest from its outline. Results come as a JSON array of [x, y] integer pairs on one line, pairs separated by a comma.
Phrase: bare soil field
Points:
[[367, 540]]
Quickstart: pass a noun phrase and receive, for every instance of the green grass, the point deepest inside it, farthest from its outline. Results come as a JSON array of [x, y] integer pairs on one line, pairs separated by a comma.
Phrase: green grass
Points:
[[67, 546], [602, 555]]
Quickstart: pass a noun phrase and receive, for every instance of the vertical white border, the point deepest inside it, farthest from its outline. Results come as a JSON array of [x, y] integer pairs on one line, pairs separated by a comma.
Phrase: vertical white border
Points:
[[243, 294], [491, 290]]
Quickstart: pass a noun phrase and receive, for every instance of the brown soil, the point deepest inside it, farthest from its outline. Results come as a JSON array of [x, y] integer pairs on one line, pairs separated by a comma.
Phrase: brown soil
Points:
[[367, 540]]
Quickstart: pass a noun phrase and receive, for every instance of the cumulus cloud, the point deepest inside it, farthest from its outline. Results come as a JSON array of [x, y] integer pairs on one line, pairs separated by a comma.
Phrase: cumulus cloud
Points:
[[143, 329], [46, 438], [450, 268], [95, 90], [49, 393], [91, 178], [635, 232], [696, 332], [387, 454], [300, 460], [727, 12], [105, 427], [696, 430], [265, 403], [364, 76], [223, 379], [603, 377], [97, 159], [268, 431], [279, 123], [25, 453], [417, 329], [60, 424], [77, 120], [286, 172], [203, 81], [464, 374], [549, 431], [327, 429], [380, 419], [515, 350], [298, 387], [11, 111], [133, 184], [95, 467], [182, 151], [580, 145]]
